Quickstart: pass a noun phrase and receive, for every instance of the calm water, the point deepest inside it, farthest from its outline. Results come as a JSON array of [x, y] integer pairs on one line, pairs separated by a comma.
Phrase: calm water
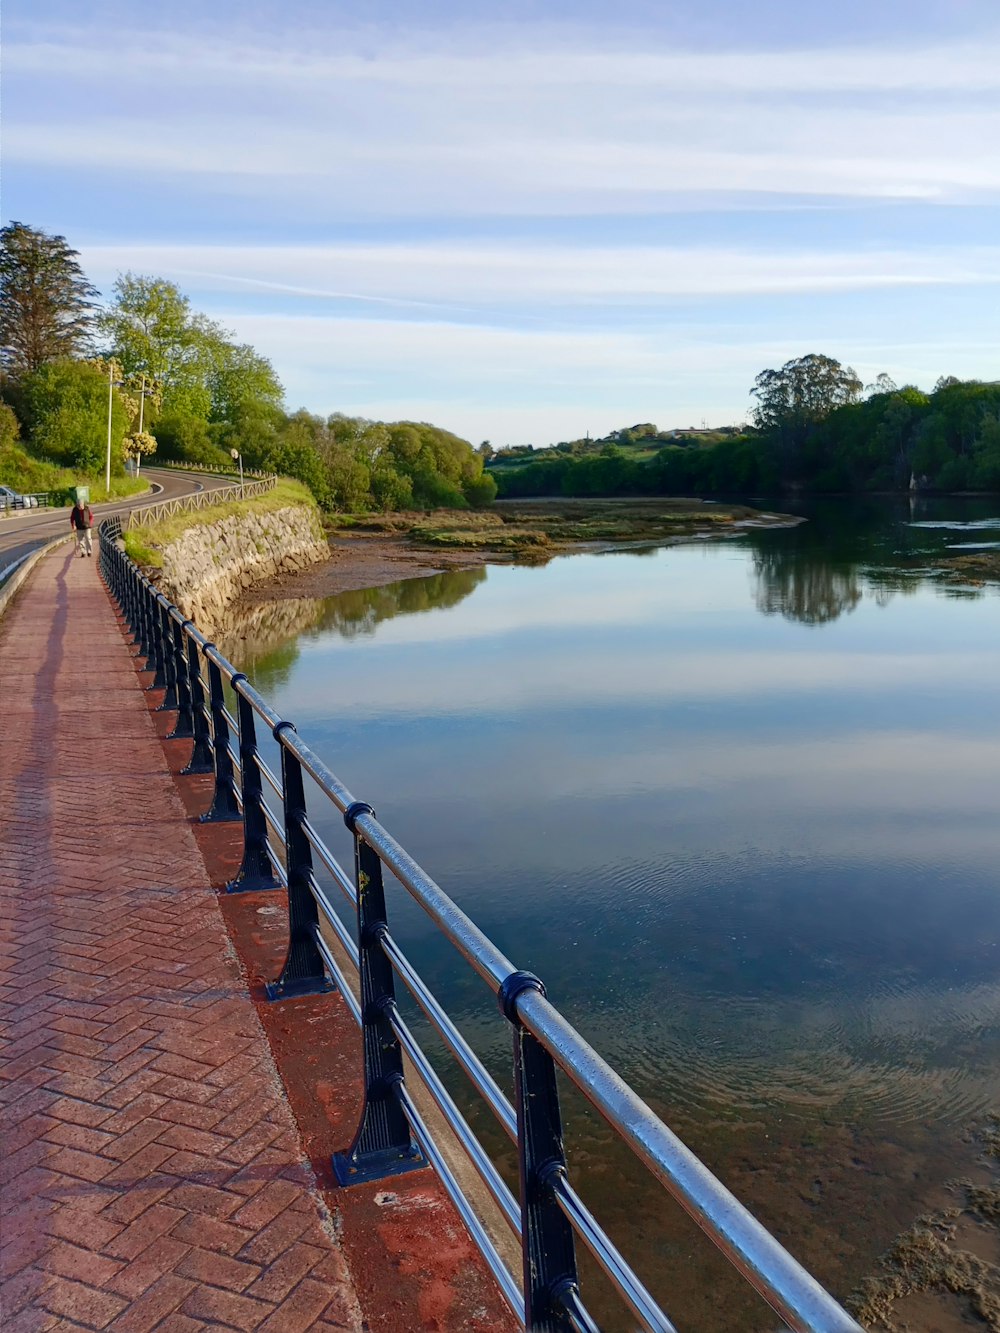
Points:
[[737, 804]]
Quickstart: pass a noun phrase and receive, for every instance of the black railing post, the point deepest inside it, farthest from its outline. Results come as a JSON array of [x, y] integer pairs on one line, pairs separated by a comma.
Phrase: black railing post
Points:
[[169, 703], [142, 605], [158, 654], [255, 872], [548, 1253], [383, 1145], [303, 972], [224, 805], [184, 726], [134, 604], [201, 753]]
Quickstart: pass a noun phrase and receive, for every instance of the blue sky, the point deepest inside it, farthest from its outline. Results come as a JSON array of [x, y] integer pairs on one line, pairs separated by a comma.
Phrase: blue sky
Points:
[[529, 221]]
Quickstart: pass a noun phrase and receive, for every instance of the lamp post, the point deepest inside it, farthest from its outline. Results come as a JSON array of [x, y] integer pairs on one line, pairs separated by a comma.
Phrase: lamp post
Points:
[[236, 455], [112, 385], [144, 393]]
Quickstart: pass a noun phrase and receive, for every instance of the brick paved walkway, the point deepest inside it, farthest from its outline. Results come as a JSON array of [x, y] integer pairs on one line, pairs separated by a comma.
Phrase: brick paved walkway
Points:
[[152, 1176]]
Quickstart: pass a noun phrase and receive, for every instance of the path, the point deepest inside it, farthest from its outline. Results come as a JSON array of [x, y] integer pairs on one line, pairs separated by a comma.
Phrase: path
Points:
[[152, 1173]]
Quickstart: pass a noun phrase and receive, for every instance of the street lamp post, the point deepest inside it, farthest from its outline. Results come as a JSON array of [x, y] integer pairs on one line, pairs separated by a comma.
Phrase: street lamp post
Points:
[[144, 393], [112, 385], [236, 455]]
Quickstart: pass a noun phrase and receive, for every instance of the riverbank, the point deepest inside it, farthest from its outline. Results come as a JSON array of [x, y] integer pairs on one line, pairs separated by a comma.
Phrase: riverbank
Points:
[[373, 550]]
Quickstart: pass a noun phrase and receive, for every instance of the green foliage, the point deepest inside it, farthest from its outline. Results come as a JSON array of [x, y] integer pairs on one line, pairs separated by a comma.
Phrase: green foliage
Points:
[[793, 401], [354, 465], [65, 406], [46, 302], [10, 428], [186, 439], [194, 363], [948, 440]]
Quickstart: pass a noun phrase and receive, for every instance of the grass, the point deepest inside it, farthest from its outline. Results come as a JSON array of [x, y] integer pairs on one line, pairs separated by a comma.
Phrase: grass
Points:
[[146, 541], [534, 532], [22, 472]]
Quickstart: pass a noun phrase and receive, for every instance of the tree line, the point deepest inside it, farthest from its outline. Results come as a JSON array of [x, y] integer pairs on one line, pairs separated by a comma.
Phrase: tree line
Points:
[[815, 427], [176, 384]]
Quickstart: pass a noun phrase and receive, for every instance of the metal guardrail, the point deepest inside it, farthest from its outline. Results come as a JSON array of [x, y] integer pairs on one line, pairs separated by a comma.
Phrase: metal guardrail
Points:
[[200, 500], [548, 1217], [42, 499], [209, 469]]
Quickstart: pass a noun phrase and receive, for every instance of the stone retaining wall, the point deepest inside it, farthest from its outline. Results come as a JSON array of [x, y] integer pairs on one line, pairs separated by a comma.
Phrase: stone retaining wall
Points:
[[211, 564]]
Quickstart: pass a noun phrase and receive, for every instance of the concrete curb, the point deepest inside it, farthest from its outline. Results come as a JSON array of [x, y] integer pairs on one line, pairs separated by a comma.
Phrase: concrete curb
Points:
[[22, 568]]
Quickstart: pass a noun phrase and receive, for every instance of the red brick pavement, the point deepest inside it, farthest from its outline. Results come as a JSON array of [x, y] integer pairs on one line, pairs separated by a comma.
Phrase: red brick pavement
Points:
[[152, 1173]]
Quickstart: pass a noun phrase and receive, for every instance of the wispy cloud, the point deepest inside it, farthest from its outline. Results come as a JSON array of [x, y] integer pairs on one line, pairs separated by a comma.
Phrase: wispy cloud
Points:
[[528, 126], [460, 276], [555, 219]]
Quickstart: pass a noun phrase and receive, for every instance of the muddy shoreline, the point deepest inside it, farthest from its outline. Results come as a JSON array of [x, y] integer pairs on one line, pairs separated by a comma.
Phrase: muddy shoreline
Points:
[[375, 551], [361, 561]]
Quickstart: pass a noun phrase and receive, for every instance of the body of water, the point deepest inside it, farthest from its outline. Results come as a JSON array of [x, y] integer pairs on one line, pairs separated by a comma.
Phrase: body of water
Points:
[[736, 803]]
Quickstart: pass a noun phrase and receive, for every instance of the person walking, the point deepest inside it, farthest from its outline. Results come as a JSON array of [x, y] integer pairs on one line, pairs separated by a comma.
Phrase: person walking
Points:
[[81, 520]]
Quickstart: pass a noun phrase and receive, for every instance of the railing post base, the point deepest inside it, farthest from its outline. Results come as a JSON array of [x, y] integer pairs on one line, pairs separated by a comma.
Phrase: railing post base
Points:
[[220, 813], [252, 878], [291, 990], [353, 1170]]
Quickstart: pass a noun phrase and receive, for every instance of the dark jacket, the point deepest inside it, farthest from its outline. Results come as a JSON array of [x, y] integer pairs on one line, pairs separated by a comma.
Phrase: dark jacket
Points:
[[81, 517]]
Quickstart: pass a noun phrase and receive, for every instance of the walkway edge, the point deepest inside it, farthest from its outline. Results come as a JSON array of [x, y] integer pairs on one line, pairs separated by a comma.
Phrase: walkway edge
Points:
[[24, 567]]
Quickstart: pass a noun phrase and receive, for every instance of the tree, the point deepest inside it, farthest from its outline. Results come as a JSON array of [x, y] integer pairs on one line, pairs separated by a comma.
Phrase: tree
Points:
[[46, 302], [152, 333], [241, 381], [66, 412], [201, 370], [792, 401], [882, 383], [803, 391]]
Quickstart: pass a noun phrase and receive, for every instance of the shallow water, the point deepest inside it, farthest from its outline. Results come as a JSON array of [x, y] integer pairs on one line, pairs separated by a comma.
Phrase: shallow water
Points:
[[736, 803]]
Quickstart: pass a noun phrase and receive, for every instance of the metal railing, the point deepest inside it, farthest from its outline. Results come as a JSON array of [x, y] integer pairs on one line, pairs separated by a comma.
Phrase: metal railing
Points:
[[281, 848], [210, 469], [200, 500]]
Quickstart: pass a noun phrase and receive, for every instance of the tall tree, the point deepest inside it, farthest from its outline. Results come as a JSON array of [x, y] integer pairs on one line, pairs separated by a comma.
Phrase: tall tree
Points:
[[201, 371], [46, 302], [152, 333], [792, 401]]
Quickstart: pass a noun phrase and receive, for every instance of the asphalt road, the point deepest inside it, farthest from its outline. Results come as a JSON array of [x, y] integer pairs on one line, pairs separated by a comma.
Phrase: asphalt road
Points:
[[22, 530]]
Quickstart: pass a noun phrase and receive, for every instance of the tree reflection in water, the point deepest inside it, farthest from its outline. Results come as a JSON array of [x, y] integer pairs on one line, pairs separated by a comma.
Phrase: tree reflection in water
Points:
[[851, 549], [264, 640], [812, 591]]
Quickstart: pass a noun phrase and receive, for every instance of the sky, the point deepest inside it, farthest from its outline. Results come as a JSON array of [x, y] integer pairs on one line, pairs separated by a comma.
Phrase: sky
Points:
[[529, 222]]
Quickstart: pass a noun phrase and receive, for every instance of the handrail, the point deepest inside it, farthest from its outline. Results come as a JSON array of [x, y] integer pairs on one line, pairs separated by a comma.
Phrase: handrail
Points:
[[393, 1135], [200, 500], [210, 469]]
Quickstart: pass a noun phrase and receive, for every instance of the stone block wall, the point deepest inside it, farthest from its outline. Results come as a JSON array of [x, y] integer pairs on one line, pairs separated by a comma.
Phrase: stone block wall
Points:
[[210, 565]]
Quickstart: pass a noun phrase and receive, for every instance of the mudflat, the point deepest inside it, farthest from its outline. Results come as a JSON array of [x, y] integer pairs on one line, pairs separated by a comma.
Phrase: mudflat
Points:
[[372, 550]]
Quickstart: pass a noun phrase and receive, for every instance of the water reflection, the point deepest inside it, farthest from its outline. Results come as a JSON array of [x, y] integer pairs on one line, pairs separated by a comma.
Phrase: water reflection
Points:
[[360, 612], [265, 640], [814, 592], [852, 549]]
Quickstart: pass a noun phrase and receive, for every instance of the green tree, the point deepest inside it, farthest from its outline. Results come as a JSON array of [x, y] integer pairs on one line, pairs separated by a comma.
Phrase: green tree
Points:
[[241, 382], [186, 439], [66, 411], [792, 401], [152, 333], [198, 367], [46, 302]]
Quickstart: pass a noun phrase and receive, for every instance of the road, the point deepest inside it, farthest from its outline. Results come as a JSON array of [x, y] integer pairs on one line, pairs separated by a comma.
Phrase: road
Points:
[[22, 530]]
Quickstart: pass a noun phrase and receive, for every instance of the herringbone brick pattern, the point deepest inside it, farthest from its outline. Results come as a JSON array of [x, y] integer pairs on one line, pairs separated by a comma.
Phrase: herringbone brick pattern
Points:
[[152, 1176]]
